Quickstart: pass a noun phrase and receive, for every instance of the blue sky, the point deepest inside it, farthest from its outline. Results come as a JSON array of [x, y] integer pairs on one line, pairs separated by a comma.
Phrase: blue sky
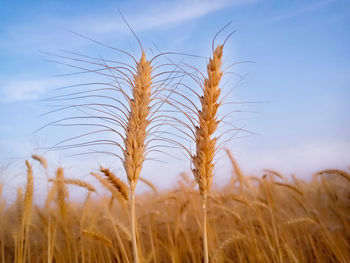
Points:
[[300, 76]]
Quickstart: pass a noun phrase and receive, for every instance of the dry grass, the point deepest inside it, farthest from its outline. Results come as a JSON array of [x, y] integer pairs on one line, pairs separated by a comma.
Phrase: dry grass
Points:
[[268, 221]]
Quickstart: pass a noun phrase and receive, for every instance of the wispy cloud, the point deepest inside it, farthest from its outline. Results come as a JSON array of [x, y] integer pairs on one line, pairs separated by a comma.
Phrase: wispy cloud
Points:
[[300, 11], [168, 13], [24, 89], [48, 30]]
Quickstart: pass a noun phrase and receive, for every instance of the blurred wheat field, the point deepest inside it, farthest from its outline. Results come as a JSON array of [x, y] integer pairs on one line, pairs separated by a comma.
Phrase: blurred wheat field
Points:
[[269, 218]]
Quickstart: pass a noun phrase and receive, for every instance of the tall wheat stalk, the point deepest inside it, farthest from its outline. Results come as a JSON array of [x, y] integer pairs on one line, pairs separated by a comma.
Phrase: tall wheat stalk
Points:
[[124, 111], [136, 132], [124, 125], [202, 123], [26, 215], [205, 142]]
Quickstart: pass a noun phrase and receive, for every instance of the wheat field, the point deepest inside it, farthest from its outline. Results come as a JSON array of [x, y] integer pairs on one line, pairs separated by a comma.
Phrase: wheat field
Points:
[[146, 104], [267, 218]]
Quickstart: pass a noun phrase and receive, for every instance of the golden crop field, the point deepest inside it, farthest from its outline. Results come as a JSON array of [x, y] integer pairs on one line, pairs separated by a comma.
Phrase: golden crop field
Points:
[[135, 104], [253, 219]]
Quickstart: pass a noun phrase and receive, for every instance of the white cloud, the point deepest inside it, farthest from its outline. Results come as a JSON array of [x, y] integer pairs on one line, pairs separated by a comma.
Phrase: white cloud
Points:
[[24, 89], [159, 15], [300, 11], [47, 31]]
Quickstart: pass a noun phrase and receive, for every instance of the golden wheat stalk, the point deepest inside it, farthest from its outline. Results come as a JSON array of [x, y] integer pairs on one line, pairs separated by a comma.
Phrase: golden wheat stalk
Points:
[[28, 195], [136, 132], [149, 184], [98, 237], [62, 193], [80, 183], [205, 142], [202, 123], [237, 170], [114, 190], [41, 160], [339, 172], [137, 122], [226, 243], [294, 188], [26, 214], [118, 184]]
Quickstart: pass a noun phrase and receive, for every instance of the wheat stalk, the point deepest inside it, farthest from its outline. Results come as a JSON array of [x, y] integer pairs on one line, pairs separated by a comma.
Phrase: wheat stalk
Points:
[[41, 160], [118, 184], [115, 191], [136, 132], [26, 214], [149, 184], [226, 243], [28, 195], [80, 183], [237, 170], [203, 123], [295, 189], [206, 144], [97, 236], [342, 173], [62, 193]]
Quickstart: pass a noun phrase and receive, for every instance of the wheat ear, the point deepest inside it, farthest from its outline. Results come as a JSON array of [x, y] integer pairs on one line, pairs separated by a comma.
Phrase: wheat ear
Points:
[[205, 142], [118, 184], [80, 183], [62, 192], [149, 184], [28, 196], [41, 160], [26, 215], [342, 173], [237, 170], [97, 236], [136, 132], [114, 191]]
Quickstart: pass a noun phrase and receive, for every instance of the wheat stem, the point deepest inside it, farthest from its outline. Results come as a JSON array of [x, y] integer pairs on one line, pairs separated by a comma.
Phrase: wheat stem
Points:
[[205, 238], [133, 227]]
